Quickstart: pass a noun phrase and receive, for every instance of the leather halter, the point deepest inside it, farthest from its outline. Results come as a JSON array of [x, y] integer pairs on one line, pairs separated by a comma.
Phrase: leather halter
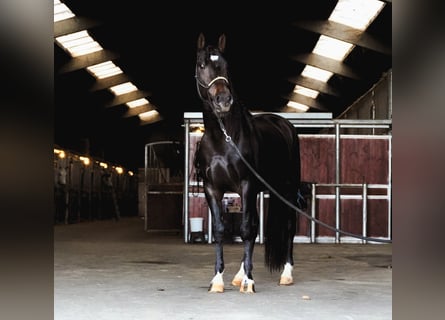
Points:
[[207, 86]]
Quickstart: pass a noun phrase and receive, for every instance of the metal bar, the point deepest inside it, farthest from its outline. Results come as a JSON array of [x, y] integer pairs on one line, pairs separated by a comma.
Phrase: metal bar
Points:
[[209, 226], [164, 192], [261, 205], [185, 214], [364, 211], [314, 198], [145, 188], [337, 181], [390, 189]]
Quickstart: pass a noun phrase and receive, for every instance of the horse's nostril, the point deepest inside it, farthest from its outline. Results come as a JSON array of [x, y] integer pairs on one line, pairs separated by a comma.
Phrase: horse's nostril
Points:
[[224, 98]]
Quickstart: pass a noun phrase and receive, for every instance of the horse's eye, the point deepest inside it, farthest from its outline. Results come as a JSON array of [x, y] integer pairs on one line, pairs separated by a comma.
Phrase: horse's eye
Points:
[[202, 65]]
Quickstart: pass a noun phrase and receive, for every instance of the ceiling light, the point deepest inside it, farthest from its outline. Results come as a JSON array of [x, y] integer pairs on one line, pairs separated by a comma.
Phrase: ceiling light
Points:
[[104, 70], [332, 48], [306, 92], [357, 14], [298, 106], [78, 43], [316, 73], [61, 11], [150, 116], [137, 103], [123, 88]]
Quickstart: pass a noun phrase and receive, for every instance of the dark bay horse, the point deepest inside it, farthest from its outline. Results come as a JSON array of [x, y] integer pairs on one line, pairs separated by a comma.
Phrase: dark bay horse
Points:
[[235, 141]]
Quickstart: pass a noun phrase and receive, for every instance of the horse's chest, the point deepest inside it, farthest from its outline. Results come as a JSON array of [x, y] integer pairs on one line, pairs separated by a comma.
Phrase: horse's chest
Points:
[[221, 170]]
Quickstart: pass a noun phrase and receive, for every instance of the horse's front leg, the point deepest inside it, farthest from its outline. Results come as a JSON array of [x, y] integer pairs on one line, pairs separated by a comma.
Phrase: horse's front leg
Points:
[[249, 231], [214, 201]]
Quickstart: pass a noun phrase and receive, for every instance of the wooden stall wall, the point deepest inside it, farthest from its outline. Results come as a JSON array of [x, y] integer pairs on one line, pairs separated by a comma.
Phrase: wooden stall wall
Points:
[[363, 159]]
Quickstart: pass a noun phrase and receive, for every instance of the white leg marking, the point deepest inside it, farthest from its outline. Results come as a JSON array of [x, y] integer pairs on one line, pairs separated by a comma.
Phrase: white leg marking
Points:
[[218, 279], [238, 278], [217, 283], [286, 275], [247, 285]]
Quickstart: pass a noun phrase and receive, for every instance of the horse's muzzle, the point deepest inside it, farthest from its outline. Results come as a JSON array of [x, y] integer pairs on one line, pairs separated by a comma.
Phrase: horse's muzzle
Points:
[[223, 101]]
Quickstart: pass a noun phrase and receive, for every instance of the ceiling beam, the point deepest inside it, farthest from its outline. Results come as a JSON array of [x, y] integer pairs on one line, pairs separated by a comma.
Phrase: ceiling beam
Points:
[[124, 98], [105, 83], [310, 102], [327, 64], [344, 33], [314, 84], [73, 25], [87, 60]]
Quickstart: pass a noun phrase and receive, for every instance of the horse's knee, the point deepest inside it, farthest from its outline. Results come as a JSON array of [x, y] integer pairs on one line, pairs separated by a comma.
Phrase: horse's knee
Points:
[[218, 232], [248, 231]]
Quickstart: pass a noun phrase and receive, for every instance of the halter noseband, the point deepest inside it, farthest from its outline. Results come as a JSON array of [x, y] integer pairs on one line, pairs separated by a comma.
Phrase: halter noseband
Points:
[[207, 86]]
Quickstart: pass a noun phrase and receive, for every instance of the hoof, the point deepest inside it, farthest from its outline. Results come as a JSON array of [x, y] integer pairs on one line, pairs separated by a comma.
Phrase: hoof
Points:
[[217, 283], [237, 281], [286, 281], [216, 288], [247, 288]]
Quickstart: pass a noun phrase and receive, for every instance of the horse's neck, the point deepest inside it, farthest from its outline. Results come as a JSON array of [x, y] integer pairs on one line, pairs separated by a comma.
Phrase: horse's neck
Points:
[[237, 124]]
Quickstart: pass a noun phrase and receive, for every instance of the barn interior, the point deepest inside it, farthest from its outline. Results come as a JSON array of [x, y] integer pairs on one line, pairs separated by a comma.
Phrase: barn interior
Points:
[[125, 248], [311, 56]]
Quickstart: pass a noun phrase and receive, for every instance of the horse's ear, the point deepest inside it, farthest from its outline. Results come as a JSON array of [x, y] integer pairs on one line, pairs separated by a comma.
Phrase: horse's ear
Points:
[[222, 42], [201, 41]]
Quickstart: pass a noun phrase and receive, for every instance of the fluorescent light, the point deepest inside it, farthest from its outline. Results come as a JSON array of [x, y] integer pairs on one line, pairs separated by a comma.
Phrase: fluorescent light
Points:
[[316, 73], [149, 116], [61, 11], [104, 70], [123, 88], [332, 48], [357, 14], [78, 43], [298, 106], [306, 91], [137, 103]]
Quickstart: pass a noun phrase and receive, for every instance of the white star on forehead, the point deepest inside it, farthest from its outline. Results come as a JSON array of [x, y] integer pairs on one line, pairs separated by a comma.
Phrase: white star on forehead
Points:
[[214, 57]]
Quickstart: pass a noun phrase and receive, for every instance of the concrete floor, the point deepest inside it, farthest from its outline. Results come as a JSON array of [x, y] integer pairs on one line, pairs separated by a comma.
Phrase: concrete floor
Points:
[[115, 270]]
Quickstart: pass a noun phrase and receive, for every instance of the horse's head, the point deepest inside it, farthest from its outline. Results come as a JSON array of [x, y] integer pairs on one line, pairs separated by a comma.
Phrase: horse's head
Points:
[[212, 76]]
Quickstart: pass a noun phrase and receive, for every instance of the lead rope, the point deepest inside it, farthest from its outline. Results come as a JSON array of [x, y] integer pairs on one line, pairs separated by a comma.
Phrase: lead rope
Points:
[[228, 139]]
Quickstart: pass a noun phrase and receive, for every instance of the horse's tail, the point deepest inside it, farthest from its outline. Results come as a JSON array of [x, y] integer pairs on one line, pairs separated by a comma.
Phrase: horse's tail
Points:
[[280, 226], [282, 219]]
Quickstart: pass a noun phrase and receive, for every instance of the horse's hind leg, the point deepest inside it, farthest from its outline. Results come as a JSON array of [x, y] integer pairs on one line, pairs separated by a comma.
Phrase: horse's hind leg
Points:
[[286, 276]]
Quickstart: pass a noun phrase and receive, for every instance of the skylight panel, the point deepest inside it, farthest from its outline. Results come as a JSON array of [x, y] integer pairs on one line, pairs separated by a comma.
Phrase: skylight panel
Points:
[[149, 116], [298, 106], [137, 103], [316, 73], [104, 70], [332, 48], [78, 43], [306, 91], [123, 88], [357, 14], [61, 11]]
